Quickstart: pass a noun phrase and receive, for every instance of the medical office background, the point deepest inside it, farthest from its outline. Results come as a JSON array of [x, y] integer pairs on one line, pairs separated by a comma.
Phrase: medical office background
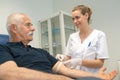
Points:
[[105, 17]]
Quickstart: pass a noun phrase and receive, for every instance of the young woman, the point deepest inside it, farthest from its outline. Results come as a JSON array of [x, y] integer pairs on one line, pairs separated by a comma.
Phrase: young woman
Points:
[[87, 48]]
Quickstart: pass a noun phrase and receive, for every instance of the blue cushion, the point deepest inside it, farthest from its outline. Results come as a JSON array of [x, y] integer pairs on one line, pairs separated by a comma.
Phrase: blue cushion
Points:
[[4, 38]]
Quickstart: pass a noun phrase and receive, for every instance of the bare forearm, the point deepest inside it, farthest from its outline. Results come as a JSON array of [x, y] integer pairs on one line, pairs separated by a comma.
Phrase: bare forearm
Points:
[[74, 73], [42, 76], [5, 75], [27, 74], [78, 74], [93, 63]]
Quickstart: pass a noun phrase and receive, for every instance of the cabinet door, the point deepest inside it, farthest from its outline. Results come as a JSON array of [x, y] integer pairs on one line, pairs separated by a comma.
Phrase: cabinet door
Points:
[[55, 32], [56, 37], [69, 26], [44, 35]]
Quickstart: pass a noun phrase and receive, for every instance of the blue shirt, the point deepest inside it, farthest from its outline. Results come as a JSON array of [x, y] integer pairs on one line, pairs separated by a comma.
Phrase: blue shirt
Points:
[[28, 57]]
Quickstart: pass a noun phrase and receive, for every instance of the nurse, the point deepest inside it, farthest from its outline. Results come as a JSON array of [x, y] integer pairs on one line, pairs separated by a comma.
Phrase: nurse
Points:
[[87, 48]]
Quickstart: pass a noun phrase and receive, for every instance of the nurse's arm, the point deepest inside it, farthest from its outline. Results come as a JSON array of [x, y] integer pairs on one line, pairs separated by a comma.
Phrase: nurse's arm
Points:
[[98, 63]]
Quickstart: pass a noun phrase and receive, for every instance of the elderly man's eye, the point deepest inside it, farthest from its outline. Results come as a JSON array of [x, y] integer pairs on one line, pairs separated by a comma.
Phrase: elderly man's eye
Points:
[[28, 24]]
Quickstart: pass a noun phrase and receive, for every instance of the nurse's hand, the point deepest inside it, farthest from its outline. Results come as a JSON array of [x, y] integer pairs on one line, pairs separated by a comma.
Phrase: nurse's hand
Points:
[[73, 63], [60, 57]]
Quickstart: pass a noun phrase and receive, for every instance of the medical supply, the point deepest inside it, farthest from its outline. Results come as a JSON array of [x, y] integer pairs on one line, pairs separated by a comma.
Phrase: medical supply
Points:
[[60, 57], [73, 63]]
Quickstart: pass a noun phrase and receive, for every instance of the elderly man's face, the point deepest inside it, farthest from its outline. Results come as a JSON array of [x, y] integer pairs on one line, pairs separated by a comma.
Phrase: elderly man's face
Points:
[[25, 30]]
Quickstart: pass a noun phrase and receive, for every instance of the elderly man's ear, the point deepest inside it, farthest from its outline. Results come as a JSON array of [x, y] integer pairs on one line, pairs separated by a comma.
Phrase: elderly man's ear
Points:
[[13, 28]]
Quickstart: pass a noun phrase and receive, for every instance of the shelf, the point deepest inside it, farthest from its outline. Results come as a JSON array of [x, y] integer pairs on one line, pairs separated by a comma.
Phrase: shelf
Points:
[[55, 31], [70, 28]]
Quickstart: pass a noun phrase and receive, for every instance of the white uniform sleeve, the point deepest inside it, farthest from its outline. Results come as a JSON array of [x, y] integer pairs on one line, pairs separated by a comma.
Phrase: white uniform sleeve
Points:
[[102, 48]]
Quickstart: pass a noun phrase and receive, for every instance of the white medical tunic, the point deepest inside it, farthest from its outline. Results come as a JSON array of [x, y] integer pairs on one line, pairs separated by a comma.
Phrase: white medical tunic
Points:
[[93, 47]]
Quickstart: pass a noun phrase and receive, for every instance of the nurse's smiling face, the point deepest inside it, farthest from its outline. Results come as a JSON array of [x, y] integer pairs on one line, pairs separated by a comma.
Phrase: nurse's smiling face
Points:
[[79, 19]]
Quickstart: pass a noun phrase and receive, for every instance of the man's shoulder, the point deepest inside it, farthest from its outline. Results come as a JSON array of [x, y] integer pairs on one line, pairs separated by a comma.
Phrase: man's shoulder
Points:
[[3, 46]]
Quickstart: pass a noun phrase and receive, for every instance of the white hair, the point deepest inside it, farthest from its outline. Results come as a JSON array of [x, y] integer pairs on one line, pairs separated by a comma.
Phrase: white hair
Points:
[[16, 19]]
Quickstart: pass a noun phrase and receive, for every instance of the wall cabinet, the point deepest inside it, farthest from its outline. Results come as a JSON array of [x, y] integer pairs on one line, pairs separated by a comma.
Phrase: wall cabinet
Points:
[[55, 31]]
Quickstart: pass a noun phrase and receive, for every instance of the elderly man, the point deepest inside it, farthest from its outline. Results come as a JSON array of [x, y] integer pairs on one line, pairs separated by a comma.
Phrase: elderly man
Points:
[[20, 61]]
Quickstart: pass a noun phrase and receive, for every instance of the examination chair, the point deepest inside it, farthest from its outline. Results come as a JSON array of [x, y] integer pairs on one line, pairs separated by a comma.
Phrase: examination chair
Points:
[[4, 38]]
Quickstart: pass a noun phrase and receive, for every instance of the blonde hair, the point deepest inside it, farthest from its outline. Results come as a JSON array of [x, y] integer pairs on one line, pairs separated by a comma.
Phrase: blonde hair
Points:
[[84, 9]]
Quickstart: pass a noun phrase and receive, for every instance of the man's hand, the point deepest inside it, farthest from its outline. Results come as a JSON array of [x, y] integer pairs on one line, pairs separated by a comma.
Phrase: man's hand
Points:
[[73, 63], [107, 76], [60, 57]]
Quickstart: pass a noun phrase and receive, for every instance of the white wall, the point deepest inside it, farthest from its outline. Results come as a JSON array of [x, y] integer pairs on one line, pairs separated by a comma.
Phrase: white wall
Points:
[[36, 9], [106, 17]]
